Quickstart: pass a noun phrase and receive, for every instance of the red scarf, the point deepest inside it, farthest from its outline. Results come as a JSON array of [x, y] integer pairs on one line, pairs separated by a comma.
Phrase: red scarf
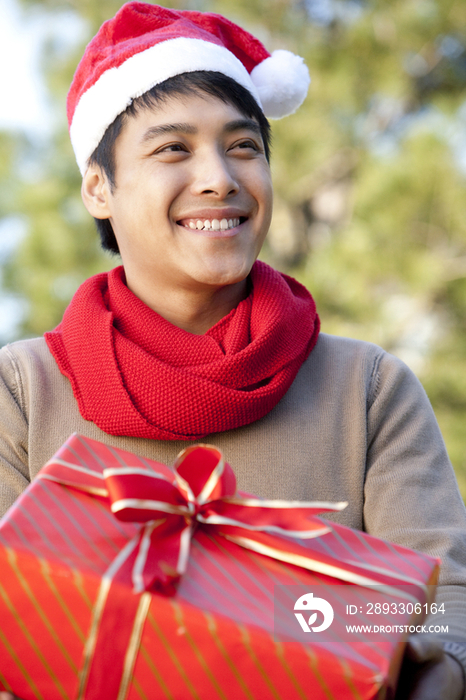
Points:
[[133, 373]]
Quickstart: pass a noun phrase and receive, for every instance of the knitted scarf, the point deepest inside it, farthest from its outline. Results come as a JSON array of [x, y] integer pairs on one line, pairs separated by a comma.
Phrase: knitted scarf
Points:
[[133, 373]]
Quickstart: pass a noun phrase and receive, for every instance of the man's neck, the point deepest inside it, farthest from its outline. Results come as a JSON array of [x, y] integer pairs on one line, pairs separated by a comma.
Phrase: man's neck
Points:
[[195, 311]]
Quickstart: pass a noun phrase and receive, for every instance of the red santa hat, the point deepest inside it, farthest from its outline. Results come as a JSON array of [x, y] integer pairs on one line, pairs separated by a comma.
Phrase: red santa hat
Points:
[[145, 44]]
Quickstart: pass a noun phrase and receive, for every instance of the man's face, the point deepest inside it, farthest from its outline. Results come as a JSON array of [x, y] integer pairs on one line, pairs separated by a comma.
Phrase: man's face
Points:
[[193, 197]]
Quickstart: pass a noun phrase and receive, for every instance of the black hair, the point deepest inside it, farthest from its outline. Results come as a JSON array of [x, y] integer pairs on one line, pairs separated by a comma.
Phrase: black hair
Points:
[[209, 82]]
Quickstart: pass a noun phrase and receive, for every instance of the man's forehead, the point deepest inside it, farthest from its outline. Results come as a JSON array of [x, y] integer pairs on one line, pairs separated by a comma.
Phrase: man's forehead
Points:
[[182, 113]]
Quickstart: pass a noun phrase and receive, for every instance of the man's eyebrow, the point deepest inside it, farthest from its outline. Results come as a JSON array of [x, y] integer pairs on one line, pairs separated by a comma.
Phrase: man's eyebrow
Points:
[[163, 129], [240, 124], [185, 128]]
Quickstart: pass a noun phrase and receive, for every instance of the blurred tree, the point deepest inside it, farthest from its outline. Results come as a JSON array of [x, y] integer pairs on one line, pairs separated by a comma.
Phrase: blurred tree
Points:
[[369, 177], [11, 228]]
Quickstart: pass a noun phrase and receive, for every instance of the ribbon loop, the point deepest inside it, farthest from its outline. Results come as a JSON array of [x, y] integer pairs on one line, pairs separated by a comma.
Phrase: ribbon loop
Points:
[[138, 495], [204, 470]]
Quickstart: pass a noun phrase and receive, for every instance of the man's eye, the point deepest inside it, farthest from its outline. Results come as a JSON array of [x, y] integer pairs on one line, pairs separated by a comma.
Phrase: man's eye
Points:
[[246, 144], [171, 148], [245, 147]]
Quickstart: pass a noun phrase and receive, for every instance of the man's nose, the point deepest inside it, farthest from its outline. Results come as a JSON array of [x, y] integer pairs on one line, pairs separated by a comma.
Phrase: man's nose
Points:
[[214, 175]]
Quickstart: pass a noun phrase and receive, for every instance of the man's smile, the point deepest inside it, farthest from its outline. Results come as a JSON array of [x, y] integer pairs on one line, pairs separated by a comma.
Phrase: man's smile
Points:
[[203, 225]]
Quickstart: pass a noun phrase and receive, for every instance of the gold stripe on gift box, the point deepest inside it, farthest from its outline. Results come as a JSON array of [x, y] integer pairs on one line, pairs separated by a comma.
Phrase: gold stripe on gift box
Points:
[[134, 644], [45, 569], [91, 640], [3, 680], [155, 672], [218, 642], [139, 689], [317, 674], [74, 520], [79, 583], [56, 515], [182, 623], [171, 653], [281, 655], [97, 611], [16, 659], [33, 644], [11, 556], [348, 676], [247, 643]]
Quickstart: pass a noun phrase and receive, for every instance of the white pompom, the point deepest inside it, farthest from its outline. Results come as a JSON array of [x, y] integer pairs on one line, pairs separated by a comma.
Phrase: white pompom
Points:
[[282, 81]]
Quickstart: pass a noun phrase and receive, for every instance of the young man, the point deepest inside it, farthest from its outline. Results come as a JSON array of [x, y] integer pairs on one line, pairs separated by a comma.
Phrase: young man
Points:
[[193, 339]]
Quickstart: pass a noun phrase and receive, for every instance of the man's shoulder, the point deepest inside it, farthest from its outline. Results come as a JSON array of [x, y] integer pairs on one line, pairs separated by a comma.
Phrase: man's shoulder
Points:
[[349, 362], [343, 351], [343, 343], [351, 350], [30, 350], [24, 360]]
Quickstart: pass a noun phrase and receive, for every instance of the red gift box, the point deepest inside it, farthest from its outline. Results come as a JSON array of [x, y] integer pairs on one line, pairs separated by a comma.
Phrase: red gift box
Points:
[[92, 604]]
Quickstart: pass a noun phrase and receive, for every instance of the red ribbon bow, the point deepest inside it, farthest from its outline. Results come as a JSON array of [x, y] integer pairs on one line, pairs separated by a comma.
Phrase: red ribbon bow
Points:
[[201, 492]]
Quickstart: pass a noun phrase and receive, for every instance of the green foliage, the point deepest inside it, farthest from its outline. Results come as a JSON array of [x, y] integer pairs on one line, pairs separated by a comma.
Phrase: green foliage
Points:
[[369, 196]]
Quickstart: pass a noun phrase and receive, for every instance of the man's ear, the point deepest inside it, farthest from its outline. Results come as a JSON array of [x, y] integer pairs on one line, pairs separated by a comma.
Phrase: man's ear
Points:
[[96, 192]]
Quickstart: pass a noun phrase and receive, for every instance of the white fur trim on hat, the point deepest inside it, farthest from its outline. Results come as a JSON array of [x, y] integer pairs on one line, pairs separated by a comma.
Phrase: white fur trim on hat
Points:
[[282, 81], [116, 88]]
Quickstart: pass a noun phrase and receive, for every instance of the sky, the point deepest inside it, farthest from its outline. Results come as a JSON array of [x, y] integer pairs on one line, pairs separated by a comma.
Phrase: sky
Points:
[[22, 34], [24, 100]]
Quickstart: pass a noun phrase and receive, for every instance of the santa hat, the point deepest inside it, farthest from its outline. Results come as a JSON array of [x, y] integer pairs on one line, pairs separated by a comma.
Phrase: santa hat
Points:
[[145, 44]]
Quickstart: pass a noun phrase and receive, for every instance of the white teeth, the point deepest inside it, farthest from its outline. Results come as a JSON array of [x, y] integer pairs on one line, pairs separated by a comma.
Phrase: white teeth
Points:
[[214, 225]]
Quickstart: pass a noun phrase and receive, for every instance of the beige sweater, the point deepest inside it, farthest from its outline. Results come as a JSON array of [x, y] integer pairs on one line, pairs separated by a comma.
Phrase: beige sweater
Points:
[[355, 426]]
